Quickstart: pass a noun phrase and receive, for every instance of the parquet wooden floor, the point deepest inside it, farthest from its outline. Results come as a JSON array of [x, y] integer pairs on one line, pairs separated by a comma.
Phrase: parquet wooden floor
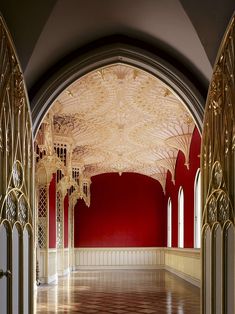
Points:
[[119, 292]]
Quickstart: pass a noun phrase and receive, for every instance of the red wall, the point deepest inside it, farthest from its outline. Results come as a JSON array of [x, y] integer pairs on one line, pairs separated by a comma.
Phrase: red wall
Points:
[[130, 210], [66, 217], [125, 211], [52, 212], [184, 177]]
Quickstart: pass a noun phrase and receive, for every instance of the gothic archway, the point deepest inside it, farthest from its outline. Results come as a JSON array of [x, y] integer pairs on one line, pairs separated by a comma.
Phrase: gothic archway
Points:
[[112, 54]]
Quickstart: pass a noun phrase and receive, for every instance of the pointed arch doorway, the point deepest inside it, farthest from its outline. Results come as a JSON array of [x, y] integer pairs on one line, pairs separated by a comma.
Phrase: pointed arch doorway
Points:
[[216, 168], [102, 69], [218, 185], [216, 276]]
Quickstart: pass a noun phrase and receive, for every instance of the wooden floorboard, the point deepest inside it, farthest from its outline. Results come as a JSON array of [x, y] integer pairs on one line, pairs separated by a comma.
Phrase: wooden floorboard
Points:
[[119, 292]]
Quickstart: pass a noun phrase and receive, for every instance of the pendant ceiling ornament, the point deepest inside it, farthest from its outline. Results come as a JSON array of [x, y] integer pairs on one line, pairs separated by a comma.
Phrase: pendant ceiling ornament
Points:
[[122, 119]]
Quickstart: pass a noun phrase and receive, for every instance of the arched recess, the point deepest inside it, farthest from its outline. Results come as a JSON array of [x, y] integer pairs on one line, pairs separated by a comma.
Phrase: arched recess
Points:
[[64, 252], [197, 209], [45, 168], [112, 54], [181, 218]]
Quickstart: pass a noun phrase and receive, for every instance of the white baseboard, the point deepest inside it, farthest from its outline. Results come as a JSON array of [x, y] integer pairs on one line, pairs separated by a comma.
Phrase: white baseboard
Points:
[[53, 278], [49, 279], [43, 280], [190, 279], [66, 271]]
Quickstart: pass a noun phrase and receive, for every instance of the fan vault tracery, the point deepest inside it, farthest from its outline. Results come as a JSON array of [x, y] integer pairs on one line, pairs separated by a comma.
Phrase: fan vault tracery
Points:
[[121, 119]]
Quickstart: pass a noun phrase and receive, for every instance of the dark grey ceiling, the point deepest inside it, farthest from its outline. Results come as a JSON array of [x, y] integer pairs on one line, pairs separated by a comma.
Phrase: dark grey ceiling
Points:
[[45, 32], [210, 19], [26, 20]]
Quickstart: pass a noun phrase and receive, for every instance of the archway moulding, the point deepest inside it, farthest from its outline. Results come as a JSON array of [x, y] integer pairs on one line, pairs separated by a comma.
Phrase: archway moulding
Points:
[[112, 54]]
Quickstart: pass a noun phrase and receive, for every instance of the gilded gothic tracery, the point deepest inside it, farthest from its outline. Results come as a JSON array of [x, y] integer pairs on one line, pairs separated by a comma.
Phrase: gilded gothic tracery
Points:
[[218, 183], [16, 183], [54, 154]]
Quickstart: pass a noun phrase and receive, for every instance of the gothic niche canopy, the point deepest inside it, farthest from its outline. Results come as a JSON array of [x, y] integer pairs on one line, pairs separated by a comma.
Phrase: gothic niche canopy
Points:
[[116, 119]]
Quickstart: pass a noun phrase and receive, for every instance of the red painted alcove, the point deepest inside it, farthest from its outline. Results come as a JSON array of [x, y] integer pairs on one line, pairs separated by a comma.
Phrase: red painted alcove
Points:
[[184, 177], [52, 212], [125, 211], [66, 220]]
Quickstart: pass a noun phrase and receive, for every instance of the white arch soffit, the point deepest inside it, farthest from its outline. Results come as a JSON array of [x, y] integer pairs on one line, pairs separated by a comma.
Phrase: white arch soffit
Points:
[[112, 54]]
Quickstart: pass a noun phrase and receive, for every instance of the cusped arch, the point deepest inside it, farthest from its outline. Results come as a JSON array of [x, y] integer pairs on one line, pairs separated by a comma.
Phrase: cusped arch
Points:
[[46, 167]]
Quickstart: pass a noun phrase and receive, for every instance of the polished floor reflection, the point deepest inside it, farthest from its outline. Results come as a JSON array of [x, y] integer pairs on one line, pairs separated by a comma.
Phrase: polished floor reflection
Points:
[[119, 292]]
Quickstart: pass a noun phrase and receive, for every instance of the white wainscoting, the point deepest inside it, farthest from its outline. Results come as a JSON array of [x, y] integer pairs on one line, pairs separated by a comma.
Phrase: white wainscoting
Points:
[[52, 273], [63, 262], [43, 265], [47, 265], [182, 262], [66, 269], [60, 262], [118, 258], [53, 263], [185, 263]]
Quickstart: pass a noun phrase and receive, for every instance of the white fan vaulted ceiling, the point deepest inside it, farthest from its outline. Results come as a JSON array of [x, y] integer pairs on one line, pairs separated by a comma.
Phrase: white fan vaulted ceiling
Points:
[[122, 119]]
